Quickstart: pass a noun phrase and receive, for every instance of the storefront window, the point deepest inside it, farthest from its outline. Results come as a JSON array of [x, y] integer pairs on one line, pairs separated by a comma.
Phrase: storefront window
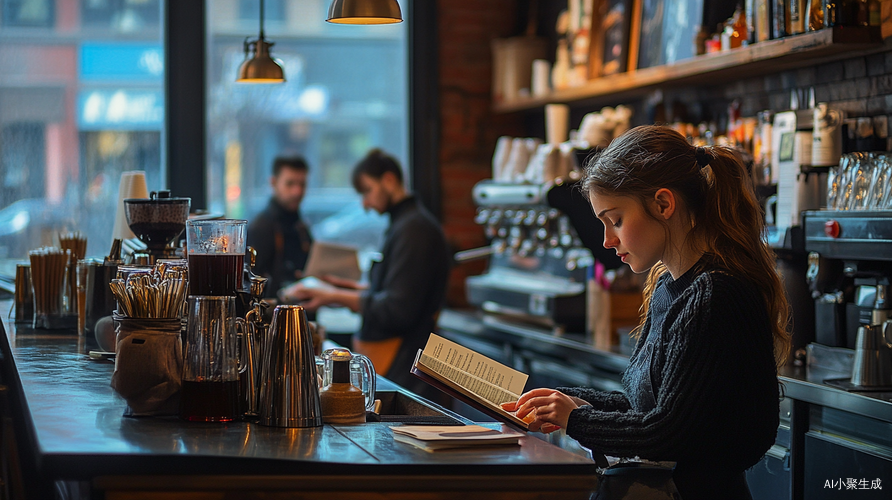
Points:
[[30, 13], [346, 92], [81, 101]]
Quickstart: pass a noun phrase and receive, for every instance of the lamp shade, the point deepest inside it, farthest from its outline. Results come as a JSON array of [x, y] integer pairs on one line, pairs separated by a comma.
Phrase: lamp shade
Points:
[[261, 68], [364, 12]]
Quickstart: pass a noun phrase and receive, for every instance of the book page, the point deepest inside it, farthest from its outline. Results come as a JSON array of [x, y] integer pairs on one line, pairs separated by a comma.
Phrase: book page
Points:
[[482, 376]]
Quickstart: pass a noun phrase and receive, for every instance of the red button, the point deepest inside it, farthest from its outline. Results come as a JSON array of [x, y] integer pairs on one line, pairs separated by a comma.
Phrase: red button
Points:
[[831, 228]]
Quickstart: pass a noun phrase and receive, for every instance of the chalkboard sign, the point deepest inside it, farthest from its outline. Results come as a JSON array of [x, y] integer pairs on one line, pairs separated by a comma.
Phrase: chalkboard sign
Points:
[[668, 31]]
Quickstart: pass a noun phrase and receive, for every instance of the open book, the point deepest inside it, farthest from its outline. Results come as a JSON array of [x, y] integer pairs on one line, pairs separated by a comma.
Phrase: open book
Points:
[[470, 377]]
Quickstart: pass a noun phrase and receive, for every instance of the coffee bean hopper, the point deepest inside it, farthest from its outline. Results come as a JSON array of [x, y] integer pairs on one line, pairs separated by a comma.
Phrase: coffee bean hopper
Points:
[[158, 222]]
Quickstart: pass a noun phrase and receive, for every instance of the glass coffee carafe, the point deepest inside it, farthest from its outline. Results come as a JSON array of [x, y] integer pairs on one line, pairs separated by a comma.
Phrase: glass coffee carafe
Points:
[[211, 364], [216, 254]]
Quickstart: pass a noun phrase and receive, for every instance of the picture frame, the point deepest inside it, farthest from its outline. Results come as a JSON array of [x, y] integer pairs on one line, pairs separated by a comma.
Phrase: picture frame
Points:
[[611, 29], [666, 30]]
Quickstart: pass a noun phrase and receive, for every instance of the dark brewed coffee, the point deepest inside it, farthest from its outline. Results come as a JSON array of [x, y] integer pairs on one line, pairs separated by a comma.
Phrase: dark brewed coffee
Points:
[[215, 274], [209, 401]]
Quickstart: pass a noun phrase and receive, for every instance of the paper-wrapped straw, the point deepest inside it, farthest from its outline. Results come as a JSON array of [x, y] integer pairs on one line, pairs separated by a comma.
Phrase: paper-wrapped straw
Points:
[[76, 243], [47, 277], [150, 295]]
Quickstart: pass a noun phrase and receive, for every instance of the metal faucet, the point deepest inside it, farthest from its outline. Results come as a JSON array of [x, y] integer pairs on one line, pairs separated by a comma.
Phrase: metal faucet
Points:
[[252, 340]]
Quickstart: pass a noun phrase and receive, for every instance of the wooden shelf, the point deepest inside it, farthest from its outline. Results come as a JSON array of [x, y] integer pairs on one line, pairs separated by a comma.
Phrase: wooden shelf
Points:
[[712, 69]]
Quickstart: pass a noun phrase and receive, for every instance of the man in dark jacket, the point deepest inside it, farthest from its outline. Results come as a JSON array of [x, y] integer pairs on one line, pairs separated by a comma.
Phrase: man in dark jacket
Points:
[[278, 234], [406, 288]]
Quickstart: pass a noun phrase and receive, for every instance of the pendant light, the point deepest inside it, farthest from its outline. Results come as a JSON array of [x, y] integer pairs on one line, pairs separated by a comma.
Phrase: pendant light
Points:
[[364, 12], [261, 68]]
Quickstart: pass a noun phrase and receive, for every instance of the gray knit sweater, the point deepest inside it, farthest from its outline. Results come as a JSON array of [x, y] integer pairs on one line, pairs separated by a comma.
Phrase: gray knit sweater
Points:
[[717, 393]]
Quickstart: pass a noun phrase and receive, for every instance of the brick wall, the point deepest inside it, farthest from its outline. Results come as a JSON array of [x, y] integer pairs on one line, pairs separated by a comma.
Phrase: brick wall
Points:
[[469, 128]]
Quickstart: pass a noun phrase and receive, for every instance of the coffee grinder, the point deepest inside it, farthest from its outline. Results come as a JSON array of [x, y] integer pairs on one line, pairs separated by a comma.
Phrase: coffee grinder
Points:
[[158, 222]]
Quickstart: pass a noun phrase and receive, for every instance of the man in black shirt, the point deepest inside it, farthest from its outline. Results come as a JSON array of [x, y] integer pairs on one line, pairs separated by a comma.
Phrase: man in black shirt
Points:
[[406, 288], [282, 240]]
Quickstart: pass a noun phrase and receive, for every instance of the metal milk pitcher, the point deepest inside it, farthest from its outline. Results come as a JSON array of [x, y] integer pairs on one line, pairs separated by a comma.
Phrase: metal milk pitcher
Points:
[[873, 356], [289, 395]]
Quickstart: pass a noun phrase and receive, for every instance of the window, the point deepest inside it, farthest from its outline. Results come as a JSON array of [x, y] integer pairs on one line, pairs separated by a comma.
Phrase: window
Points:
[[79, 104], [29, 13], [346, 92]]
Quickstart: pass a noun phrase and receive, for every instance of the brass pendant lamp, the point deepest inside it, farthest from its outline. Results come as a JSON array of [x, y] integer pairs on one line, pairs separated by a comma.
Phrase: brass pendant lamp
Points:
[[261, 68], [364, 12]]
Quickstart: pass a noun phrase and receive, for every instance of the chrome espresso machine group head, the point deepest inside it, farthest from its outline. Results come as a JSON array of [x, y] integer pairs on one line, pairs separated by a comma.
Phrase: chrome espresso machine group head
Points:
[[538, 254]]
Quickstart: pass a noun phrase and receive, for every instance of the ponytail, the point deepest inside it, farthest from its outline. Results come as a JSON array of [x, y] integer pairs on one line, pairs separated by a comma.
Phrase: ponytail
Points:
[[731, 223], [715, 187]]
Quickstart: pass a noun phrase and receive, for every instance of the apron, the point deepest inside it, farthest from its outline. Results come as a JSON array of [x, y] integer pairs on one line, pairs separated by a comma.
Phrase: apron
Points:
[[637, 481]]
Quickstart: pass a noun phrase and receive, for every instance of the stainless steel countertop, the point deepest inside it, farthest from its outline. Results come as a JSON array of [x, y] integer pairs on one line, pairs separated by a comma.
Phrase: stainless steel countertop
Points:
[[808, 385], [74, 421]]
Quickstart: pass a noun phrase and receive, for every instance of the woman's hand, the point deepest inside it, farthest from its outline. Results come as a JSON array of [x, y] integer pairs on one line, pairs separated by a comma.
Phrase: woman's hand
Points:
[[550, 409]]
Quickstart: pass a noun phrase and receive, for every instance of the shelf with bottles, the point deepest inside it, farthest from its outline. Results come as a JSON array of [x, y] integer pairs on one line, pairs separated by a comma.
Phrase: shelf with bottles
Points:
[[711, 69]]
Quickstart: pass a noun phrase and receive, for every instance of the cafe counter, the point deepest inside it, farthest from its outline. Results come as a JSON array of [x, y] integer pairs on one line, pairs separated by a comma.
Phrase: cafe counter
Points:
[[64, 429]]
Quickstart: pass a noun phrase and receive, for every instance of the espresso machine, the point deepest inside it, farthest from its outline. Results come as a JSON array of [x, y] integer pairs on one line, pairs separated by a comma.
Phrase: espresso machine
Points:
[[850, 266], [543, 239]]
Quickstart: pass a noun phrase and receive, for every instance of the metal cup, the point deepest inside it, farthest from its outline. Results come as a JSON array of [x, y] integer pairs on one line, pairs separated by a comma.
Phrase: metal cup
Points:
[[100, 301], [873, 356], [289, 395], [24, 297]]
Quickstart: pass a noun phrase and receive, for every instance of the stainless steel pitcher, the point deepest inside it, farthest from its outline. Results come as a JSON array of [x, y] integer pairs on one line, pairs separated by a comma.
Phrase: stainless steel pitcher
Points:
[[873, 356], [289, 395]]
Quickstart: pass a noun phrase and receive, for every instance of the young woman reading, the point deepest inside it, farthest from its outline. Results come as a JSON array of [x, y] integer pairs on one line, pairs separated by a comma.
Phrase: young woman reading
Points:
[[701, 388]]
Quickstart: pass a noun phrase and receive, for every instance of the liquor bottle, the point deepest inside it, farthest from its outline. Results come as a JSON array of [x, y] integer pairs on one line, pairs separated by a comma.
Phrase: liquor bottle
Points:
[[763, 20], [779, 18], [845, 13], [815, 15], [873, 13], [797, 12], [750, 11], [740, 29]]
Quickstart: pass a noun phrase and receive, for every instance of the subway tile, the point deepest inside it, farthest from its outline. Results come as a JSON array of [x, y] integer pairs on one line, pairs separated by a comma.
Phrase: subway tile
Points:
[[881, 85], [861, 86], [876, 105], [855, 68], [772, 82], [805, 77], [788, 80], [876, 64], [830, 72]]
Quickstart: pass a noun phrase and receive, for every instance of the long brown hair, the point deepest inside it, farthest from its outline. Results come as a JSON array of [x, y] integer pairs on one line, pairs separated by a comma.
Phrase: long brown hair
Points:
[[719, 197]]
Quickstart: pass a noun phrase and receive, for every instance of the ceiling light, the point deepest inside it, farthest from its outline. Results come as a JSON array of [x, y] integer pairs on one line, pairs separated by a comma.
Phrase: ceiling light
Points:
[[364, 12], [261, 68]]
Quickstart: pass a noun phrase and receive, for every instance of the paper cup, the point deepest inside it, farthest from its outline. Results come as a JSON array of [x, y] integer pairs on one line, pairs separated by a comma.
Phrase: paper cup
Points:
[[557, 120], [133, 185], [541, 77]]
